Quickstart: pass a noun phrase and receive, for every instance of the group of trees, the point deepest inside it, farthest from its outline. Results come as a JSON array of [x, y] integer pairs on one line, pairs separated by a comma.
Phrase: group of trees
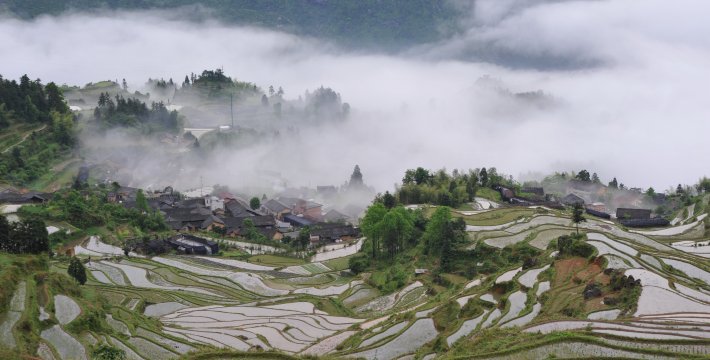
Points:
[[132, 112], [443, 234], [574, 245], [214, 84], [441, 188], [29, 101], [325, 103], [23, 237], [389, 231], [91, 208]]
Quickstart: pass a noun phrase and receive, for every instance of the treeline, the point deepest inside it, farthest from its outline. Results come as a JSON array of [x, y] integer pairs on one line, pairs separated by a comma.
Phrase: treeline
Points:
[[90, 208], [29, 101], [131, 112], [215, 84], [23, 237], [422, 186]]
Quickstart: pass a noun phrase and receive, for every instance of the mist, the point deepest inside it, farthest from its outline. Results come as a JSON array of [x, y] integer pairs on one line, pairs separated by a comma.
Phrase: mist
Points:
[[619, 90]]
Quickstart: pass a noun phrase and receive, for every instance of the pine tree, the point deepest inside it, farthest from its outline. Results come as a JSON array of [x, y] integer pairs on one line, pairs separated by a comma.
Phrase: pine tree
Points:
[[77, 271], [356, 177]]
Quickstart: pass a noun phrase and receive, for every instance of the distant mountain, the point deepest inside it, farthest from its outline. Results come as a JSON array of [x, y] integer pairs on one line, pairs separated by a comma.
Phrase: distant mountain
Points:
[[388, 25]]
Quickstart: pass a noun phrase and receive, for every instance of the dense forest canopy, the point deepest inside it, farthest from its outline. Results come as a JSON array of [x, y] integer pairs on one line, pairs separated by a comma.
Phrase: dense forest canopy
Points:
[[369, 23]]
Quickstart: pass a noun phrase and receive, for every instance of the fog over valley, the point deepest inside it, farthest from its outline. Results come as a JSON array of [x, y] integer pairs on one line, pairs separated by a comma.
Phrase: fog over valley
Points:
[[354, 179], [530, 87]]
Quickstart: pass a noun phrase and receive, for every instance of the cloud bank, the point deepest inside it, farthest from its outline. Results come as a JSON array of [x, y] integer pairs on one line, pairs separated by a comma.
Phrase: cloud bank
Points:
[[623, 88]]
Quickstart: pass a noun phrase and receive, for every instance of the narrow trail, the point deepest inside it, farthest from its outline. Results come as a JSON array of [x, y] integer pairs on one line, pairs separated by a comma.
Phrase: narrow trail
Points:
[[27, 134]]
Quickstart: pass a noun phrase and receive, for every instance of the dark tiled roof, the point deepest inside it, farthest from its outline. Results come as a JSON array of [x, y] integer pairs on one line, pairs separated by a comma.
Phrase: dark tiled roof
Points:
[[571, 199], [653, 222], [297, 220], [628, 213], [335, 215], [333, 231], [258, 221], [275, 206], [237, 209]]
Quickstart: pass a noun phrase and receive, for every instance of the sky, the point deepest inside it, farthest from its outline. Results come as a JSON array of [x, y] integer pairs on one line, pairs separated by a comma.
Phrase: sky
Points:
[[623, 87]]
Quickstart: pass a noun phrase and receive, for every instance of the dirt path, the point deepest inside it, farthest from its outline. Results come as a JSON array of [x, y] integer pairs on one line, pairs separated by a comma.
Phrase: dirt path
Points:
[[27, 134]]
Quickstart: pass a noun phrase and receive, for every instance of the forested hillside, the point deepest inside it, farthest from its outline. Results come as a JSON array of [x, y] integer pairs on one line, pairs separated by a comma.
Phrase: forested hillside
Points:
[[371, 23], [36, 129]]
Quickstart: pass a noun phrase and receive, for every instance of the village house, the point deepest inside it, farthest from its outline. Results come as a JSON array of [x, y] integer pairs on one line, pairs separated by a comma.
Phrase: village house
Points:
[[572, 200], [275, 208], [335, 216], [190, 244], [629, 213], [327, 233], [306, 208], [297, 221], [32, 197]]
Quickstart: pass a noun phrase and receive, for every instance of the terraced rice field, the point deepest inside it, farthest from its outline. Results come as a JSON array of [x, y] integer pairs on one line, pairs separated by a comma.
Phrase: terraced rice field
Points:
[[164, 307]]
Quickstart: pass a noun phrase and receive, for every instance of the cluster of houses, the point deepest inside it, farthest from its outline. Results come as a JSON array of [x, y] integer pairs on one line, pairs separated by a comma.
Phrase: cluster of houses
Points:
[[581, 193], [227, 214]]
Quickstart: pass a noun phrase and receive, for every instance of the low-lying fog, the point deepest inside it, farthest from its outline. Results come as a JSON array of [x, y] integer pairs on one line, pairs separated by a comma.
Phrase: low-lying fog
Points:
[[624, 83]]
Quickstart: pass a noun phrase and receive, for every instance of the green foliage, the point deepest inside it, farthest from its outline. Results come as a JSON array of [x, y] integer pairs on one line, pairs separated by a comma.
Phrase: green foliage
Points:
[[578, 215], [77, 271], [91, 319], [574, 245], [446, 315], [27, 236], [388, 25], [106, 352], [131, 112], [254, 203], [91, 208], [391, 230], [442, 235], [358, 263], [389, 279]]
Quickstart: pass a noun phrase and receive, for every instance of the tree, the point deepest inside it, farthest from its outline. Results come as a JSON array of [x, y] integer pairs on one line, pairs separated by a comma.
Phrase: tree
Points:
[[679, 190], [77, 271], [437, 230], [254, 203], [388, 200], [421, 176], [595, 178], [483, 175], [271, 90], [106, 352], [396, 228], [370, 225], [125, 85], [578, 215], [583, 175], [5, 232], [614, 184], [651, 192], [141, 201], [356, 178], [304, 237], [55, 100], [264, 100]]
